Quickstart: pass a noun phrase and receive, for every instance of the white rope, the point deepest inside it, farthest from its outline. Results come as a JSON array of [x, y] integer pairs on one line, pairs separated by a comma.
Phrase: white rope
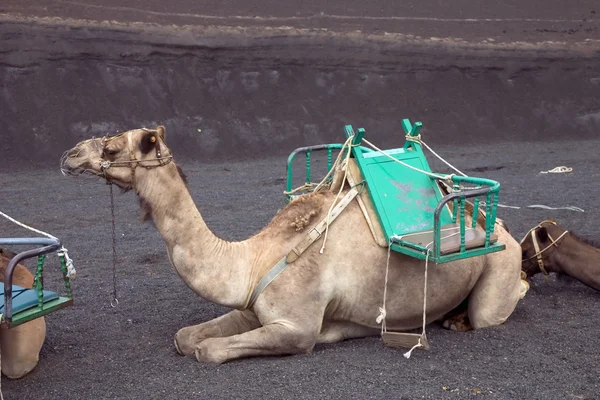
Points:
[[561, 169], [441, 159], [558, 170], [435, 176], [382, 312], [71, 272], [349, 143], [27, 226], [419, 344], [570, 208]]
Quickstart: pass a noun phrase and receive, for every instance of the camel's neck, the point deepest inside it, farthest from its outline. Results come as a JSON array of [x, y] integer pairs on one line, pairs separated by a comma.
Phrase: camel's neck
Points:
[[578, 260], [214, 268]]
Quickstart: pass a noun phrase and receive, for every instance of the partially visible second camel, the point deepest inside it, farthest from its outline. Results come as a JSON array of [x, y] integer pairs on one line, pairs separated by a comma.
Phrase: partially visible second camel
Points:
[[21, 345], [548, 248]]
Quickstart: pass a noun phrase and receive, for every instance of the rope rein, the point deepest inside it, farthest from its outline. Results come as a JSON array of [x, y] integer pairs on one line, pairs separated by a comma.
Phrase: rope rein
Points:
[[114, 302]]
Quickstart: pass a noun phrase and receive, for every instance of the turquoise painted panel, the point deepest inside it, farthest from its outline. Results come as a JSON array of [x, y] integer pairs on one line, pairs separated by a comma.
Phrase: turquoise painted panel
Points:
[[405, 199]]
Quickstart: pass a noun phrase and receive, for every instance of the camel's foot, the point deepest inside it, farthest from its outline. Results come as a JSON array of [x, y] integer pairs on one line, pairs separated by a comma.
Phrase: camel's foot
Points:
[[177, 346], [458, 322], [233, 323]]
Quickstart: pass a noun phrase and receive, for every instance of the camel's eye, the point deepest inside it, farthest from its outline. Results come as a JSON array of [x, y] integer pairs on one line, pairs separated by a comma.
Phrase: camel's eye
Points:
[[109, 152]]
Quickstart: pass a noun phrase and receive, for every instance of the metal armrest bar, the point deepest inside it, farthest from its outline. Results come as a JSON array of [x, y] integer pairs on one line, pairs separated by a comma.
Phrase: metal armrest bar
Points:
[[492, 189], [17, 259]]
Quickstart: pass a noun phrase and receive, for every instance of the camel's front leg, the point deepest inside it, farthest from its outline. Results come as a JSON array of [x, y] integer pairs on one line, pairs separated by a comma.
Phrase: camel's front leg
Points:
[[232, 323], [269, 340]]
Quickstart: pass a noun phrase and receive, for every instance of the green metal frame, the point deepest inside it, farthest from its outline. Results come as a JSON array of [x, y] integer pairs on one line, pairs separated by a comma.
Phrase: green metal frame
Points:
[[407, 201], [329, 148], [37, 312], [10, 320]]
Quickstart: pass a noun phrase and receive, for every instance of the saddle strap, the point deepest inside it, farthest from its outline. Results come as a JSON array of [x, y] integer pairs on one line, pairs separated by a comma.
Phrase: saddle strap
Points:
[[315, 233], [293, 255]]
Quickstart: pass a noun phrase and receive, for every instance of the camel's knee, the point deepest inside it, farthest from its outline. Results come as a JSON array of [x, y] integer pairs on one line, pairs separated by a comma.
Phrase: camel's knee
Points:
[[480, 321], [232, 323], [484, 317]]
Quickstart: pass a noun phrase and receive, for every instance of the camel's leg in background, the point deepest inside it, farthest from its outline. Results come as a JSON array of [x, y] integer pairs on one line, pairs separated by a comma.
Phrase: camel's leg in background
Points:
[[232, 323], [458, 319]]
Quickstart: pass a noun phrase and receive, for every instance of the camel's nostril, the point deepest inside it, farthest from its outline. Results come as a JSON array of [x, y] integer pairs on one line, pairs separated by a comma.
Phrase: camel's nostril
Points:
[[74, 152]]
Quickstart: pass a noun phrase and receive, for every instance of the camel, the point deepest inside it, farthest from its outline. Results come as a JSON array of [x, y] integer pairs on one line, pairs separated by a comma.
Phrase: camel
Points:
[[321, 297], [21, 345], [548, 248]]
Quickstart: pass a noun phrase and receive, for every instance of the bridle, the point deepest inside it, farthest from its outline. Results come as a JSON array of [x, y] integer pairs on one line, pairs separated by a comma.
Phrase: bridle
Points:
[[133, 162], [536, 246]]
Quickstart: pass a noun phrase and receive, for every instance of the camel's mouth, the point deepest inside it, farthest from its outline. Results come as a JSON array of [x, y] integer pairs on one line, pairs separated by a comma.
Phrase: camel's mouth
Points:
[[73, 164], [81, 159]]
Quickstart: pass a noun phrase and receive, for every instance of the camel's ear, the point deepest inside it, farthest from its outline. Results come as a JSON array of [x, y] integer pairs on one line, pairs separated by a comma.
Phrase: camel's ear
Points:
[[161, 132], [148, 142], [542, 234]]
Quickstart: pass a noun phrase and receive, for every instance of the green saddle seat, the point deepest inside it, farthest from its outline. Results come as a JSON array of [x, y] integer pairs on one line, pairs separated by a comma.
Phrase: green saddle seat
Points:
[[450, 241], [24, 299]]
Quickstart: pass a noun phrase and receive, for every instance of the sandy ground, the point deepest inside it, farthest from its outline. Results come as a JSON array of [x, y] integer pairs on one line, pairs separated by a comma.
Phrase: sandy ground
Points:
[[545, 350], [504, 91]]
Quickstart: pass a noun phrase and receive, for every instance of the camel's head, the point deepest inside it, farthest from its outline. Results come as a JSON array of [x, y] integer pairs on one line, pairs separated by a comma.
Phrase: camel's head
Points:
[[538, 247], [116, 158]]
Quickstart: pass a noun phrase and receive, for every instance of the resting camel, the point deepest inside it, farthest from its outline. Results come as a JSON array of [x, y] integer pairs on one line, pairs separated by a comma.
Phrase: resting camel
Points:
[[549, 248], [21, 345], [320, 297]]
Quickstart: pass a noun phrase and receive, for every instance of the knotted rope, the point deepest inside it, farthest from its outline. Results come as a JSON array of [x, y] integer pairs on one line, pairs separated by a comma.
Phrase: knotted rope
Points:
[[557, 170]]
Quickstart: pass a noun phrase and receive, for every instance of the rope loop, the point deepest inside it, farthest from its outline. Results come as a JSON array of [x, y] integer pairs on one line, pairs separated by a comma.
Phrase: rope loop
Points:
[[411, 138]]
